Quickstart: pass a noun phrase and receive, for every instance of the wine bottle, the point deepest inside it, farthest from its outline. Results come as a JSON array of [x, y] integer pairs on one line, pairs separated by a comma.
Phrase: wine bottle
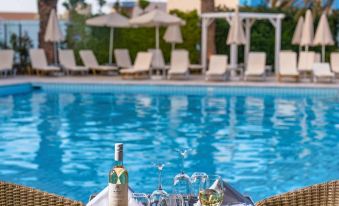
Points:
[[118, 180]]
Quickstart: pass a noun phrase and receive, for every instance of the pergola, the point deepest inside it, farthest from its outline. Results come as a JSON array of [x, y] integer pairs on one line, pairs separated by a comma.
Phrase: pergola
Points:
[[248, 19]]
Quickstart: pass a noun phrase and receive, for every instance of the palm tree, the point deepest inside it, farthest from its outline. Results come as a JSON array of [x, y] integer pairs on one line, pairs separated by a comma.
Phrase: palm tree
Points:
[[44, 8], [209, 6], [101, 4], [325, 5]]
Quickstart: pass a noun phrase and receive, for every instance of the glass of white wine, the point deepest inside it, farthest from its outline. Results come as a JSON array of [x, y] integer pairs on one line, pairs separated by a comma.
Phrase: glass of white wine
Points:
[[213, 194]]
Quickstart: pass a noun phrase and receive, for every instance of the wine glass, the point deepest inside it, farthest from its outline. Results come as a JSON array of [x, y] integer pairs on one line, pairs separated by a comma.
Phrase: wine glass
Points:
[[199, 182], [159, 193], [172, 200], [140, 199], [182, 182], [213, 194]]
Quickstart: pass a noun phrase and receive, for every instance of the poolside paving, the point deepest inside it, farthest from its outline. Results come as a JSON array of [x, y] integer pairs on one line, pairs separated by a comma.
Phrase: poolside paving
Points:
[[193, 81]]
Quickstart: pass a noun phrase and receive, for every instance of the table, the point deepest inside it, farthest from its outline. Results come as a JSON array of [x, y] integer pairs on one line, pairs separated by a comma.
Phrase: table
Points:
[[230, 196]]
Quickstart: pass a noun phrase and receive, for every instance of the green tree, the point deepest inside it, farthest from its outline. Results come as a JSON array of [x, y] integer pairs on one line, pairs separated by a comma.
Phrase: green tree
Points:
[[101, 4]]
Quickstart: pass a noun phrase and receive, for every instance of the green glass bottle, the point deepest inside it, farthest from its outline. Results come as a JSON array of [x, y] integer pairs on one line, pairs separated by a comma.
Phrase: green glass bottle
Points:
[[118, 180]]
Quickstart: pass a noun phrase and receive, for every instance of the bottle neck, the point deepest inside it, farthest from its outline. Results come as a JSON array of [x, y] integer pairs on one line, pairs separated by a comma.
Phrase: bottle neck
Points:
[[119, 163]]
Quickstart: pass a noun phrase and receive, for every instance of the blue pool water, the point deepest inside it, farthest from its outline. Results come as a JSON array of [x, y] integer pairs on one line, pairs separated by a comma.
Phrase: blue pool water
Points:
[[62, 140]]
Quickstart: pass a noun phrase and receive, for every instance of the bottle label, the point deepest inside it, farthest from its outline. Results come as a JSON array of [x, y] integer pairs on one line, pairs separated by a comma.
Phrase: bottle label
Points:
[[117, 194]]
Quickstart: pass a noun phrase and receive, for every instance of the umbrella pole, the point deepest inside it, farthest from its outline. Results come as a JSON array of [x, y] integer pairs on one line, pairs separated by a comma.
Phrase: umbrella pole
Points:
[[111, 42], [157, 37], [55, 53], [173, 46], [323, 53]]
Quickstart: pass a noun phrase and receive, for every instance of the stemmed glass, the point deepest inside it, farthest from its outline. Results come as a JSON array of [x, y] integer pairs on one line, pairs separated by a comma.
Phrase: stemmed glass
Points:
[[172, 200], [139, 199], [199, 182], [159, 193], [213, 193], [182, 182]]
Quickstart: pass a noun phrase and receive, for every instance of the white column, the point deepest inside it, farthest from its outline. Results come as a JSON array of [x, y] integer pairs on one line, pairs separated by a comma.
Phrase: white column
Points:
[[204, 45], [277, 44], [234, 55], [248, 25]]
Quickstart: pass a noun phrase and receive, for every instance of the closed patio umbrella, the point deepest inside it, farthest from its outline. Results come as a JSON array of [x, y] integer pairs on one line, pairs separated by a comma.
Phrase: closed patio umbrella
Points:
[[236, 36], [137, 11], [155, 18], [112, 20], [53, 32], [307, 33], [298, 32], [173, 35], [323, 35]]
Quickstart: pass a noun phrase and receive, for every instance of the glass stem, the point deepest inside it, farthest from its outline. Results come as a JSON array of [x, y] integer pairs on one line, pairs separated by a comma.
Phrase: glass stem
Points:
[[159, 179], [182, 165]]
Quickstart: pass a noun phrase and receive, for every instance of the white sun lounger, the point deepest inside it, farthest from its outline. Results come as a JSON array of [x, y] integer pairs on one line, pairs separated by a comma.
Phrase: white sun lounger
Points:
[[335, 63], [322, 72], [317, 57], [67, 60], [288, 65], [39, 62], [122, 58], [305, 63], [90, 61], [255, 67], [6, 62], [179, 65], [217, 69], [141, 67]]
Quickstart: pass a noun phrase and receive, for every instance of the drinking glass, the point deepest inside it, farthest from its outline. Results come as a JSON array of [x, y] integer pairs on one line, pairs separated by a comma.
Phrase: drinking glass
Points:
[[213, 194], [159, 193], [140, 199], [199, 182], [172, 200], [182, 182]]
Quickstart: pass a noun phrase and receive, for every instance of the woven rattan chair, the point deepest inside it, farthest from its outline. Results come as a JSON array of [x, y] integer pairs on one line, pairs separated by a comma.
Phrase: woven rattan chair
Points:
[[326, 194], [17, 195]]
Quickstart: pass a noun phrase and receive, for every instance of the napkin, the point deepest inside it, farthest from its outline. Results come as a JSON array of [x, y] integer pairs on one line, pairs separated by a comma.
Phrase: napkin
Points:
[[102, 199]]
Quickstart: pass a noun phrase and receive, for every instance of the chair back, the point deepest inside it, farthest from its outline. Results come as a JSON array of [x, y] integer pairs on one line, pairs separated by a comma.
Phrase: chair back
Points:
[[122, 58], [288, 62], [306, 61], [67, 58], [143, 61], [321, 69], [218, 63], [38, 58], [88, 58], [335, 62], [179, 60], [256, 62], [6, 59], [158, 60]]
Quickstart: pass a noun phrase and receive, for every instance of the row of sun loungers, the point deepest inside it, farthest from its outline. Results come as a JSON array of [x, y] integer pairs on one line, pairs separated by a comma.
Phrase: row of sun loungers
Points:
[[290, 67]]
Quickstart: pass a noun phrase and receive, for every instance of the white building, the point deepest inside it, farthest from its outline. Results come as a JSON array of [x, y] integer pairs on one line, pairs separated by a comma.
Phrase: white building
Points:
[[190, 5]]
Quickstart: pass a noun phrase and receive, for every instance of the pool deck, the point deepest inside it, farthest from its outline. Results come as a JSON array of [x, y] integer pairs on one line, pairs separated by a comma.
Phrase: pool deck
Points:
[[195, 80]]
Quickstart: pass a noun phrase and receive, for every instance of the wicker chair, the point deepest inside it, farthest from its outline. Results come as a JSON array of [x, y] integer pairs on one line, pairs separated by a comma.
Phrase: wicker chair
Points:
[[17, 195], [326, 194]]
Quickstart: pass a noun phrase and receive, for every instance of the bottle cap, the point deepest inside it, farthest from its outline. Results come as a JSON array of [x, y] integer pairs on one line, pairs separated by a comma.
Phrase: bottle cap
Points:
[[119, 148]]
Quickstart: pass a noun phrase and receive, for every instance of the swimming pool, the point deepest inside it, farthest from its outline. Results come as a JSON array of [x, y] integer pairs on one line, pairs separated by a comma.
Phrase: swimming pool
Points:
[[262, 141]]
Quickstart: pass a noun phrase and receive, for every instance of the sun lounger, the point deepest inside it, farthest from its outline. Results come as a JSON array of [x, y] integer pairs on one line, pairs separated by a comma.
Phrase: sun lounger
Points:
[[141, 67], [158, 61], [67, 60], [90, 61], [217, 69], [179, 65], [255, 67], [288, 65], [322, 71], [305, 63], [6, 62], [335, 63], [122, 58], [317, 57], [39, 62]]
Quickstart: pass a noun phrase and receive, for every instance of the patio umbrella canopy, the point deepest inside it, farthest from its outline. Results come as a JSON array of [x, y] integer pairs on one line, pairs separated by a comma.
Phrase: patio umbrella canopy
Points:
[[173, 35], [236, 36], [112, 20], [307, 31], [323, 35], [156, 18], [137, 11], [296, 40], [53, 32]]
